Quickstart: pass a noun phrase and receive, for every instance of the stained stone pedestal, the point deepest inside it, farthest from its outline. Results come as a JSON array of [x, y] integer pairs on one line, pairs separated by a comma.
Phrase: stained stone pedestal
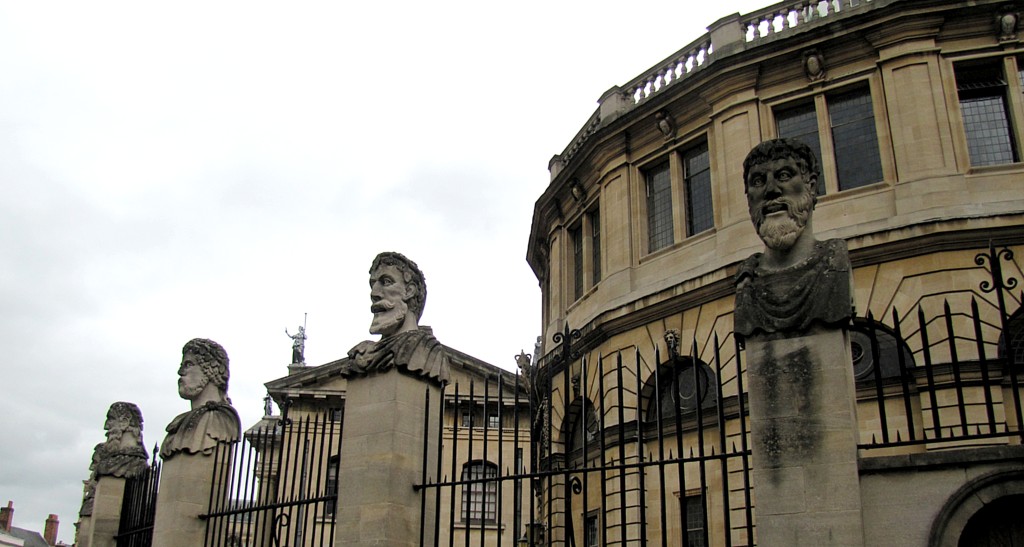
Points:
[[804, 429], [186, 481], [106, 512], [382, 458]]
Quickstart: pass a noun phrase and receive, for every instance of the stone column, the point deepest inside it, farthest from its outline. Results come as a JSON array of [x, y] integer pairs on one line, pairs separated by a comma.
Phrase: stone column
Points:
[[804, 429], [186, 481], [106, 512], [382, 451]]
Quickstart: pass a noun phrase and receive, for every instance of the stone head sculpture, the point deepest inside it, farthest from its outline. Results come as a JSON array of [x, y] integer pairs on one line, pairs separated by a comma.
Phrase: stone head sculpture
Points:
[[398, 293], [781, 178], [124, 421], [203, 370]]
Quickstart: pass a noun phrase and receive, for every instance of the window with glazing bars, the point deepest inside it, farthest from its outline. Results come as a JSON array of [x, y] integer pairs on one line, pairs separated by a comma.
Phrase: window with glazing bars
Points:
[[595, 245], [695, 533], [480, 499], [576, 236], [659, 207], [981, 88], [697, 182], [851, 126]]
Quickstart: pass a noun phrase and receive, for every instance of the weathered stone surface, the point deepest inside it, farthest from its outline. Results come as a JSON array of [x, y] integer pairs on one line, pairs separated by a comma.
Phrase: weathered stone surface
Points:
[[106, 514], [192, 438], [398, 293], [797, 282], [212, 420], [803, 429], [385, 439]]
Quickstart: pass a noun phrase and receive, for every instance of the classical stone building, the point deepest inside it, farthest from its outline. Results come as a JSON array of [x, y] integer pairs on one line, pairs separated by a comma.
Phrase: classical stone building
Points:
[[477, 437], [916, 109]]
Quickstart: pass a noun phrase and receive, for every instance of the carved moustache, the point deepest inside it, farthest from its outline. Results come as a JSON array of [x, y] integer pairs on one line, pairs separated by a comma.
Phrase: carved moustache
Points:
[[381, 306], [798, 209]]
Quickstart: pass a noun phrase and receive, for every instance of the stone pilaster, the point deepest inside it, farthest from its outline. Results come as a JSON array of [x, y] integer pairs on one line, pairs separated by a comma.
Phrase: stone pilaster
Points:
[[106, 512], [186, 481], [804, 428], [382, 451]]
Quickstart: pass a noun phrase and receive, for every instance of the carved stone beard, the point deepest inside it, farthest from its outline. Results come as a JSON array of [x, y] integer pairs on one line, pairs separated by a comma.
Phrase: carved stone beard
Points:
[[388, 316], [190, 392], [780, 231]]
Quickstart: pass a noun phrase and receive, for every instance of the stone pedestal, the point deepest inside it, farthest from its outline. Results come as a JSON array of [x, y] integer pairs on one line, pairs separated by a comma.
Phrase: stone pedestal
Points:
[[804, 430], [186, 481], [106, 512], [382, 451]]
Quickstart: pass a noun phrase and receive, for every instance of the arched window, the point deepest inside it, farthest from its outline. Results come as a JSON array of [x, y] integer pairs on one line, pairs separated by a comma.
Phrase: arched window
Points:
[[679, 385], [889, 349], [480, 499]]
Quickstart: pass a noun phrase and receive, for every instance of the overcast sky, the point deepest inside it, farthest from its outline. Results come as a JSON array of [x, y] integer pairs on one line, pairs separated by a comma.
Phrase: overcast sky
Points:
[[216, 170]]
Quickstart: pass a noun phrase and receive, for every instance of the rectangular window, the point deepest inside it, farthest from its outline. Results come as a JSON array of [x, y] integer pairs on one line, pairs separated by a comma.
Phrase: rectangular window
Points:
[[591, 533], [576, 236], [856, 159], [854, 139], [331, 487], [695, 520], [697, 181], [981, 88], [800, 122], [467, 418], [480, 497], [595, 246], [659, 207], [492, 420]]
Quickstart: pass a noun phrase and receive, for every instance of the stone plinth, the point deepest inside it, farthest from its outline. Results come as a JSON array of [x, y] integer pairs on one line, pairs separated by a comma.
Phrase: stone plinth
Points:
[[804, 429], [106, 512], [186, 481], [382, 458]]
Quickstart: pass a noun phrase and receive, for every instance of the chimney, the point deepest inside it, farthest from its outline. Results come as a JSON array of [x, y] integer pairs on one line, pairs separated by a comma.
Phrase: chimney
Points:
[[7, 516], [50, 531]]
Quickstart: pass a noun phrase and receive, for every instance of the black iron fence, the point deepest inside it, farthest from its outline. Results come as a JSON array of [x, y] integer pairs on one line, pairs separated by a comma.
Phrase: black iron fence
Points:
[[278, 487], [138, 507], [949, 379], [618, 450], [626, 451]]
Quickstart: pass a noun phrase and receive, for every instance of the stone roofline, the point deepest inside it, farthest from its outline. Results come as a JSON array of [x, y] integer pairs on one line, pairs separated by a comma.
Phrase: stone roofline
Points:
[[725, 37]]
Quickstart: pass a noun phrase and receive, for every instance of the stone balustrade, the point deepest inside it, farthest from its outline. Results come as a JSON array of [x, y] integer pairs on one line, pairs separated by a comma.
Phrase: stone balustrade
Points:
[[725, 37]]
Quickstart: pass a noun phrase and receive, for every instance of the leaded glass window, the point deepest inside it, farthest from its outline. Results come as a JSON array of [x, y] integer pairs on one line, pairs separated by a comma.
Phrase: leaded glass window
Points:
[[854, 139], [981, 87], [480, 499], [659, 207], [697, 166]]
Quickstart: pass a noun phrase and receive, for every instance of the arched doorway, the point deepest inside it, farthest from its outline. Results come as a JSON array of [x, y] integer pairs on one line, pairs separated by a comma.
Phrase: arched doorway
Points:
[[998, 524]]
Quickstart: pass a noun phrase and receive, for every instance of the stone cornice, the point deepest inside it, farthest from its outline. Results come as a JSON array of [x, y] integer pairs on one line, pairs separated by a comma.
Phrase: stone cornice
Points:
[[613, 322]]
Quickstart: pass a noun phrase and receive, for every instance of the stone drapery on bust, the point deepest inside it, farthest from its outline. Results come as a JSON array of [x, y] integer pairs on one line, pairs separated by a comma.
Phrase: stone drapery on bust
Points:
[[398, 293], [123, 455], [203, 380], [798, 281]]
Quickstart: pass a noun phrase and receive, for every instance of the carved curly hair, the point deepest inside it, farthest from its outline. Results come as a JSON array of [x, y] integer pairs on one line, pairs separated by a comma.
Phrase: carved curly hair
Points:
[[212, 359], [775, 149], [126, 412]]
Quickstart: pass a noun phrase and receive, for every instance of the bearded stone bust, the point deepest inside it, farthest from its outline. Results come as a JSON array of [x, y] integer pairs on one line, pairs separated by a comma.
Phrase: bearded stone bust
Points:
[[123, 455], [203, 381], [798, 281], [398, 294]]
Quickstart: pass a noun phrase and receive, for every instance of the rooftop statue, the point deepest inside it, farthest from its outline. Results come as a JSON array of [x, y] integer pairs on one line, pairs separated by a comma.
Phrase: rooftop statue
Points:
[[797, 281], [398, 293], [203, 382], [298, 345]]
